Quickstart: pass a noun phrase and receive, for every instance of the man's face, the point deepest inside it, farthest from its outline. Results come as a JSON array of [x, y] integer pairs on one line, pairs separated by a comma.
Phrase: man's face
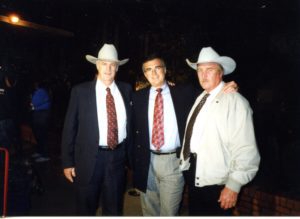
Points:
[[155, 72], [209, 75], [106, 71]]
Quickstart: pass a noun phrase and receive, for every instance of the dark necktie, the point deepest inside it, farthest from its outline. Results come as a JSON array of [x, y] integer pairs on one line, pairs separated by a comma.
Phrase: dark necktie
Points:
[[112, 124], [189, 129], [158, 121]]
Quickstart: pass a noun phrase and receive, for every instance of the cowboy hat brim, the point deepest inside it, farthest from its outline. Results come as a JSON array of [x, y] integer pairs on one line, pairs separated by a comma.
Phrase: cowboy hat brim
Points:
[[93, 60], [227, 63]]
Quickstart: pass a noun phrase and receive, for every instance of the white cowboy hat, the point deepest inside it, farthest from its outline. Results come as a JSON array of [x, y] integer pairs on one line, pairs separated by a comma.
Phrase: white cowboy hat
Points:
[[108, 52], [208, 54]]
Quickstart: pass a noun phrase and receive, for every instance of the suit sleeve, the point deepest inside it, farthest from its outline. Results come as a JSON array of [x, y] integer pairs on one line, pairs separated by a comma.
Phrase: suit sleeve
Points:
[[70, 131]]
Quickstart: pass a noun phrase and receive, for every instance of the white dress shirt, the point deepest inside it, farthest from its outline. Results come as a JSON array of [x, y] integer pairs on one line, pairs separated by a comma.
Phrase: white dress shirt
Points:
[[201, 117], [171, 134], [102, 112]]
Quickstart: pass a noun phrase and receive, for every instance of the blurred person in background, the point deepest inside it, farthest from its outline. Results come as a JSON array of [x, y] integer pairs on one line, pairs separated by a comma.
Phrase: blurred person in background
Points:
[[8, 108], [40, 106]]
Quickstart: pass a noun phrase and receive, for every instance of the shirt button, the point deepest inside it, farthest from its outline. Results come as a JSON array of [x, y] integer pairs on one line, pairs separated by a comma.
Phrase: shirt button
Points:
[[197, 177], [197, 184]]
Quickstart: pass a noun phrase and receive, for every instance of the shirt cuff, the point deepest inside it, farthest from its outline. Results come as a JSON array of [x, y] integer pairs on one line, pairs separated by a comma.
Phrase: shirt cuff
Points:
[[233, 185]]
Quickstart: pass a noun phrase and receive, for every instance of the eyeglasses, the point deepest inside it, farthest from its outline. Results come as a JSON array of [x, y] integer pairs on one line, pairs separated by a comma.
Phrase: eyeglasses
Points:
[[156, 68]]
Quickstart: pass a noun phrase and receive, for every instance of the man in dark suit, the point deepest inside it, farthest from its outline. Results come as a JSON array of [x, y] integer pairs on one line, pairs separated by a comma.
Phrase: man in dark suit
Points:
[[156, 140], [156, 170], [95, 137]]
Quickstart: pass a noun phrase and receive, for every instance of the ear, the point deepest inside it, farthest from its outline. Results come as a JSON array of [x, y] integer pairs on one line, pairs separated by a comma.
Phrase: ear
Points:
[[165, 70], [97, 65], [221, 74]]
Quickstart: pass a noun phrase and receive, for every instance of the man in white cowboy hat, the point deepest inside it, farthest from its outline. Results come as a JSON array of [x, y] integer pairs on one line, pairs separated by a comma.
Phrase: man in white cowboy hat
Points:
[[95, 137], [219, 153]]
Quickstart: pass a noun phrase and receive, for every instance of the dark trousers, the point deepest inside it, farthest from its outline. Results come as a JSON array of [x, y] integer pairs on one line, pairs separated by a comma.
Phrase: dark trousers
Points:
[[107, 182], [203, 201], [40, 122]]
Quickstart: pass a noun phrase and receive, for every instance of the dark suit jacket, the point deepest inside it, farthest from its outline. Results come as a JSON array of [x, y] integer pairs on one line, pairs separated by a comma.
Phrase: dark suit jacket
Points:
[[183, 98], [80, 137]]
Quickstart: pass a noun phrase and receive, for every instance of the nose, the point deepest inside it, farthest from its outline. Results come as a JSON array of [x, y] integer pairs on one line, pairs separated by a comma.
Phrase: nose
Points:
[[204, 74], [108, 68]]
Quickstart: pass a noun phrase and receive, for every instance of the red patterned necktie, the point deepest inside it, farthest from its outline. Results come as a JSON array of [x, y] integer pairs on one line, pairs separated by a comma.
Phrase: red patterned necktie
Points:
[[158, 139], [112, 124], [189, 129]]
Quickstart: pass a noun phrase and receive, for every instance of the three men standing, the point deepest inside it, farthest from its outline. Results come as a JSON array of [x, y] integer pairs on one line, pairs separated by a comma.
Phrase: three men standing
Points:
[[219, 142]]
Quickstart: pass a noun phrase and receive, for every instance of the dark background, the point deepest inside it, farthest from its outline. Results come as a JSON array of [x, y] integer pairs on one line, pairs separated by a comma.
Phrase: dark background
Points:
[[263, 36]]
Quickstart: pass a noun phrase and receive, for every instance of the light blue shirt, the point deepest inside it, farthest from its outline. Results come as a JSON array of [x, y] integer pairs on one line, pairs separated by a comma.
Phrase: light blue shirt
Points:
[[171, 134]]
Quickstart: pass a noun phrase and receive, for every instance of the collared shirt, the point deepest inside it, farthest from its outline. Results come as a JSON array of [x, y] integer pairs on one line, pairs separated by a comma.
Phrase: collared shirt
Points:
[[201, 118], [102, 113], [171, 134]]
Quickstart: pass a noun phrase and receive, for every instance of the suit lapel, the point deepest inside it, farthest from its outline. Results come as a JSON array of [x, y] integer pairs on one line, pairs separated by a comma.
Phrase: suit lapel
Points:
[[125, 97], [145, 107], [93, 106], [175, 100], [128, 104], [141, 104]]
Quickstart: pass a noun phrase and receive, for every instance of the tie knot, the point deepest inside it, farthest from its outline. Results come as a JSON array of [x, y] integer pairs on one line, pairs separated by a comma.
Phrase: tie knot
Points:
[[108, 90], [205, 96], [159, 90]]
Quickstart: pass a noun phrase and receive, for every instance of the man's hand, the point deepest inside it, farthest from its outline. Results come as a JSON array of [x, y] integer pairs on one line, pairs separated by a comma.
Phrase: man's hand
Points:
[[70, 173], [230, 87], [228, 198], [170, 83]]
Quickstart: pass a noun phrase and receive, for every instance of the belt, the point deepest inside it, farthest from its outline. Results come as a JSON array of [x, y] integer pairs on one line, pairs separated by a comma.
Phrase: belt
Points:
[[106, 148], [163, 153]]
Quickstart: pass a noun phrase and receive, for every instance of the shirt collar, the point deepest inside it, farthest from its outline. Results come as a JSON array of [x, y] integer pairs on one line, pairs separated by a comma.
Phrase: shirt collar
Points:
[[216, 90], [163, 87], [102, 86]]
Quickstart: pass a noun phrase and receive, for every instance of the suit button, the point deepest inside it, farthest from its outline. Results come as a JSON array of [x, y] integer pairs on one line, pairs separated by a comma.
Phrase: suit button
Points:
[[137, 132], [139, 146]]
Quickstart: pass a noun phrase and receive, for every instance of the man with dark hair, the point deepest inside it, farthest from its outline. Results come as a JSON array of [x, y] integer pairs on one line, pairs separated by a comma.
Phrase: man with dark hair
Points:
[[41, 107]]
